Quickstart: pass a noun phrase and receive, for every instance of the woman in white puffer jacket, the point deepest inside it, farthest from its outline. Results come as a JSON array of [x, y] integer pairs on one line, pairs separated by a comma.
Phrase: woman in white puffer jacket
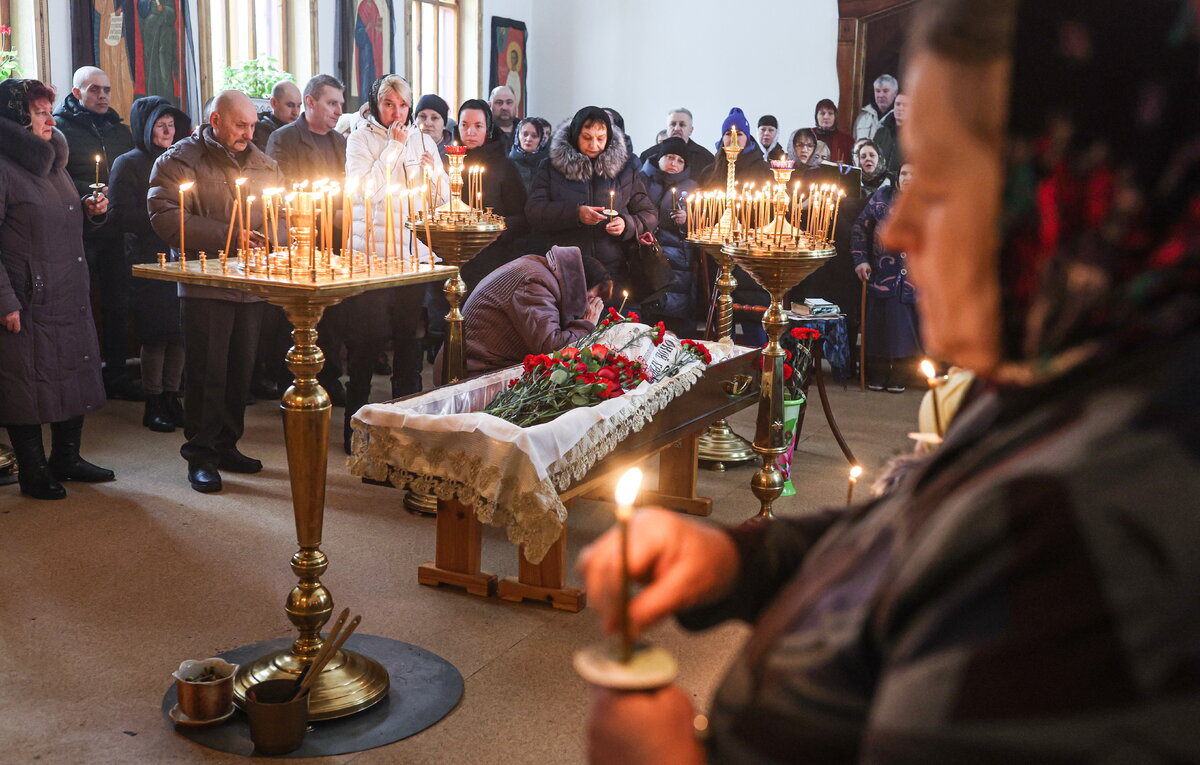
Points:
[[386, 146]]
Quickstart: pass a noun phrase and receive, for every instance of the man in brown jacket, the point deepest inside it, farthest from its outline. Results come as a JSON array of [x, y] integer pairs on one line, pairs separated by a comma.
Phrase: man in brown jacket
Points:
[[220, 327]]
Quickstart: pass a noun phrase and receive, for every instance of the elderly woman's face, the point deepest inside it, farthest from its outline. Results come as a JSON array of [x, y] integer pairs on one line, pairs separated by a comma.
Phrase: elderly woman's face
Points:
[[868, 159], [163, 132], [593, 137], [529, 137], [947, 218], [430, 123], [42, 114]]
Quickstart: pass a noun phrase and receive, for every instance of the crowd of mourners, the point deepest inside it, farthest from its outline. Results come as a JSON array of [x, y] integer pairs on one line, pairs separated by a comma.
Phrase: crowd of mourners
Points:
[[87, 195]]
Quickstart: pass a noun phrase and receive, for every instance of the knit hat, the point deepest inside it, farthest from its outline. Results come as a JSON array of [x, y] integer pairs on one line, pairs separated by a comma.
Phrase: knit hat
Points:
[[673, 145], [737, 118], [768, 120], [434, 102]]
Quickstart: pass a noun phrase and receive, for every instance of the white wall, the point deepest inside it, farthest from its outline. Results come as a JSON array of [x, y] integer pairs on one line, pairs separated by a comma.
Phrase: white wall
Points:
[[616, 54]]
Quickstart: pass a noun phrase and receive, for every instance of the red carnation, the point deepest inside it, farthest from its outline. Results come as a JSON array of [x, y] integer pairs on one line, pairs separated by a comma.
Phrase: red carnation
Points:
[[805, 333], [633, 316], [787, 371], [599, 352]]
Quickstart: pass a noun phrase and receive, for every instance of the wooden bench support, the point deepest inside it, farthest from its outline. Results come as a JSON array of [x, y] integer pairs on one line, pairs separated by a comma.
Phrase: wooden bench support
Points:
[[545, 582], [457, 552]]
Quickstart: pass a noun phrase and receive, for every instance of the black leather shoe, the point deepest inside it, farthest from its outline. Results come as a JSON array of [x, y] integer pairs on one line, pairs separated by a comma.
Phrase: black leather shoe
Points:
[[204, 478], [236, 462]]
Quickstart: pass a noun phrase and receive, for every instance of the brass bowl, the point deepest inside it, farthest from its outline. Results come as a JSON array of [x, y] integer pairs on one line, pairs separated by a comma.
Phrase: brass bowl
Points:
[[777, 271], [457, 245]]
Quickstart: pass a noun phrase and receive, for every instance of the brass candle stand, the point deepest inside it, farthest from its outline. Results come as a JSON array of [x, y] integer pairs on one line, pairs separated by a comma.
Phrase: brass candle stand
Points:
[[720, 445], [456, 232], [779, 256], [304, 283]]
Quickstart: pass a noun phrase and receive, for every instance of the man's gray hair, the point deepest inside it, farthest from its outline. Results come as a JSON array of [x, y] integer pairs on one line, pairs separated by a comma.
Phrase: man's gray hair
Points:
[[887, 79], [683, 109], [313, 88]]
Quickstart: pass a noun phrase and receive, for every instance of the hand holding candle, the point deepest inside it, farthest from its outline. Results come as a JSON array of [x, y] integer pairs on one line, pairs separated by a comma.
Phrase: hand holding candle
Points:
[[627, 491]]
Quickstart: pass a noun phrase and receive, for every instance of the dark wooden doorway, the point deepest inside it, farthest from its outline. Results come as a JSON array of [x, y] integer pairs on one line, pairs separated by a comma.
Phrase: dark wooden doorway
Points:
[[871, 36]]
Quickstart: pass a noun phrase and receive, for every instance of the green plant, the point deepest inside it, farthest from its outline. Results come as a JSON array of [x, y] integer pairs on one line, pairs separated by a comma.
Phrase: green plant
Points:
[[10, 60], [256, 78]]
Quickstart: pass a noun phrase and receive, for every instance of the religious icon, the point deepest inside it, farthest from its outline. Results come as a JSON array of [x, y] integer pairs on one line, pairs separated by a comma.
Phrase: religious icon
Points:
[[365, 47], [509, 63], [138, 44]]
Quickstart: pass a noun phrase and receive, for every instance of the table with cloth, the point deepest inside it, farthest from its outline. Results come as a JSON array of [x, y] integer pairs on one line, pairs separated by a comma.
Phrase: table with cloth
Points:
[[486, 470]]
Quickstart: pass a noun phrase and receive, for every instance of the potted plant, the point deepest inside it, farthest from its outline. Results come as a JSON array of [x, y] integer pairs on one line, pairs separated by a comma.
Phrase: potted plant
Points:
[[256, 78], [797, 372], [10, 60]]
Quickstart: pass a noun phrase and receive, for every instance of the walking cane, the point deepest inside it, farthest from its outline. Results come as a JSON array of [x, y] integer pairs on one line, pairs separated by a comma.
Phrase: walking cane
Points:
[[862, 338]]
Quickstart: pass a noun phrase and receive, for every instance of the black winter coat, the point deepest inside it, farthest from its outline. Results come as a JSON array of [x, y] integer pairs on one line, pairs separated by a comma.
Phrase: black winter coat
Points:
[[155, 304], [567, 180], [266, 125], [303, 155], [88, 135], [50, 370], [527, 164], [680, 299], [505, 194]]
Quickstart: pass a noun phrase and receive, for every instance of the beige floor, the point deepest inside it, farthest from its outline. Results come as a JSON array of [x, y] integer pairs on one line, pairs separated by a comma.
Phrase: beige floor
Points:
[[107, 591]]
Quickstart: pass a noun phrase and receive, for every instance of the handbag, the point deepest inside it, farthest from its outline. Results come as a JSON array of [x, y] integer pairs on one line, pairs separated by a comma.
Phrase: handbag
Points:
[[650, 272]]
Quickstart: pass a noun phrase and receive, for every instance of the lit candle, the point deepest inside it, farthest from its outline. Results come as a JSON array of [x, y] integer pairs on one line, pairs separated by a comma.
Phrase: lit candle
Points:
[[233, 214], [348, 214], [97, 171], [624, 297], [266, 210], [183, 188], [241, 214], [389, 229], [612, 200], [855, 472], [627, 491], [931, 377], [247, 223]]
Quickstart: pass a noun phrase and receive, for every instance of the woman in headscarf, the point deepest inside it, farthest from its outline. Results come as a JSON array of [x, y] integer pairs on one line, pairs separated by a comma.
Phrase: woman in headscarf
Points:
[[388, 147], [1030, 594], [874, 167], [49, 356], [825, 130], [587, 170], [531, 141], [156, 126], [749, 167]]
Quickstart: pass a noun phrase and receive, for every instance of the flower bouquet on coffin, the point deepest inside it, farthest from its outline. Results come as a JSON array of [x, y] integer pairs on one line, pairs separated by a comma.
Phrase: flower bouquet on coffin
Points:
[[592, 371], [797, 372]]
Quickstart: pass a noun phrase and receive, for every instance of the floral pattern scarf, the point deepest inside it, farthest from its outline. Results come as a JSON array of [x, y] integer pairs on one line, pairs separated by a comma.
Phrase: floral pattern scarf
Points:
[[1102, 211]]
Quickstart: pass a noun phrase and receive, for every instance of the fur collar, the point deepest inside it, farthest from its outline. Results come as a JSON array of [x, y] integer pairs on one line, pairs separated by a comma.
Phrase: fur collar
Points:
[[30, 152], [575, 165]]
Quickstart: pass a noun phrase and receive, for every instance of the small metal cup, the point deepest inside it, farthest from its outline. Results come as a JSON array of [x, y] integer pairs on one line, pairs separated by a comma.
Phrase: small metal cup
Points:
[[205, 701], [277, 722]]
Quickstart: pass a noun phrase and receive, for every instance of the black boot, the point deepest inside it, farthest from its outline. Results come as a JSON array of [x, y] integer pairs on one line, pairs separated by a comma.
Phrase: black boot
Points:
[[65, 462], [155, 416], [173, 407], [33, 472]]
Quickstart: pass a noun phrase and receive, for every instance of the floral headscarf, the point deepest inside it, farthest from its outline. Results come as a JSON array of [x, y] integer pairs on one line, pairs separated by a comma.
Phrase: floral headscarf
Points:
[[1102, 212], [14, 100]]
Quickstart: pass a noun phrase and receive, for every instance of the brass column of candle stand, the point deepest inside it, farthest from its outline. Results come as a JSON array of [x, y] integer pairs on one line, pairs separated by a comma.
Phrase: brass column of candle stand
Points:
[[777, 272], [350, 681], [456, 232], [720, 446]]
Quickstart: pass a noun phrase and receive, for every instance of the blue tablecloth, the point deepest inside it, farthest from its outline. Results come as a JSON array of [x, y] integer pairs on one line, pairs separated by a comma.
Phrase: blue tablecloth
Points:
[[835, 344]]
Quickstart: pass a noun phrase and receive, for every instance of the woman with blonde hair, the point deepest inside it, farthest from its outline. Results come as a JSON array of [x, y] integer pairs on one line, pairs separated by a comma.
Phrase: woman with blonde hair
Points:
[[388, 148]]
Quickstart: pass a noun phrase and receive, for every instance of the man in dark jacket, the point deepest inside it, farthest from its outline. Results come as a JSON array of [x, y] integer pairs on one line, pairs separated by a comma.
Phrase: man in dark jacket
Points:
[[680, 125], [220, 327], [285, 108], [308, 149], [94, 130], [888, 135]]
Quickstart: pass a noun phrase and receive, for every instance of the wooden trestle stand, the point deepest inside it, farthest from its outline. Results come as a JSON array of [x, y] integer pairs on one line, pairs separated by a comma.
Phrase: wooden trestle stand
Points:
[[673, 435]]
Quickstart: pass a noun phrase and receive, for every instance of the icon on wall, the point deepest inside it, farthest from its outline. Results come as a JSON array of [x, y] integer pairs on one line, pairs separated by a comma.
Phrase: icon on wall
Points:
[[510, 63]]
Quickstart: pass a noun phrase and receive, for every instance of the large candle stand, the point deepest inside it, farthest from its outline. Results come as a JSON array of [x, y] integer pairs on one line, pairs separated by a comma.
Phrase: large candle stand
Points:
[[304, 287], [456, 232]]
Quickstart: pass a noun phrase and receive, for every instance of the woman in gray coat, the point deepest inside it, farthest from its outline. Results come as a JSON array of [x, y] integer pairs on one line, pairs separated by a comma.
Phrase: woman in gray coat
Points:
[[51, 360]]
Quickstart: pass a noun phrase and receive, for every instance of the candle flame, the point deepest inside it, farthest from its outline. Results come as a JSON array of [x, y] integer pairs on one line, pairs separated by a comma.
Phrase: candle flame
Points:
[[855, 472], [625, 293], [187, 185], [239, 181], [351, 185], [928, 370], [627, 491], [97, 159]]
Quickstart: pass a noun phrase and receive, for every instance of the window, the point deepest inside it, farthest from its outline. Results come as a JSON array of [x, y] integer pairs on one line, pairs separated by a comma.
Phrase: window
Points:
[[28, 21], [434, 50], [234, 31]]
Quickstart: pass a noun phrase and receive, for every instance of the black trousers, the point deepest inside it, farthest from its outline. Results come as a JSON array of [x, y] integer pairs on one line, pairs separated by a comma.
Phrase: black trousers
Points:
[[407, 312], [220, 337], [110, 274], [275, 338]]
